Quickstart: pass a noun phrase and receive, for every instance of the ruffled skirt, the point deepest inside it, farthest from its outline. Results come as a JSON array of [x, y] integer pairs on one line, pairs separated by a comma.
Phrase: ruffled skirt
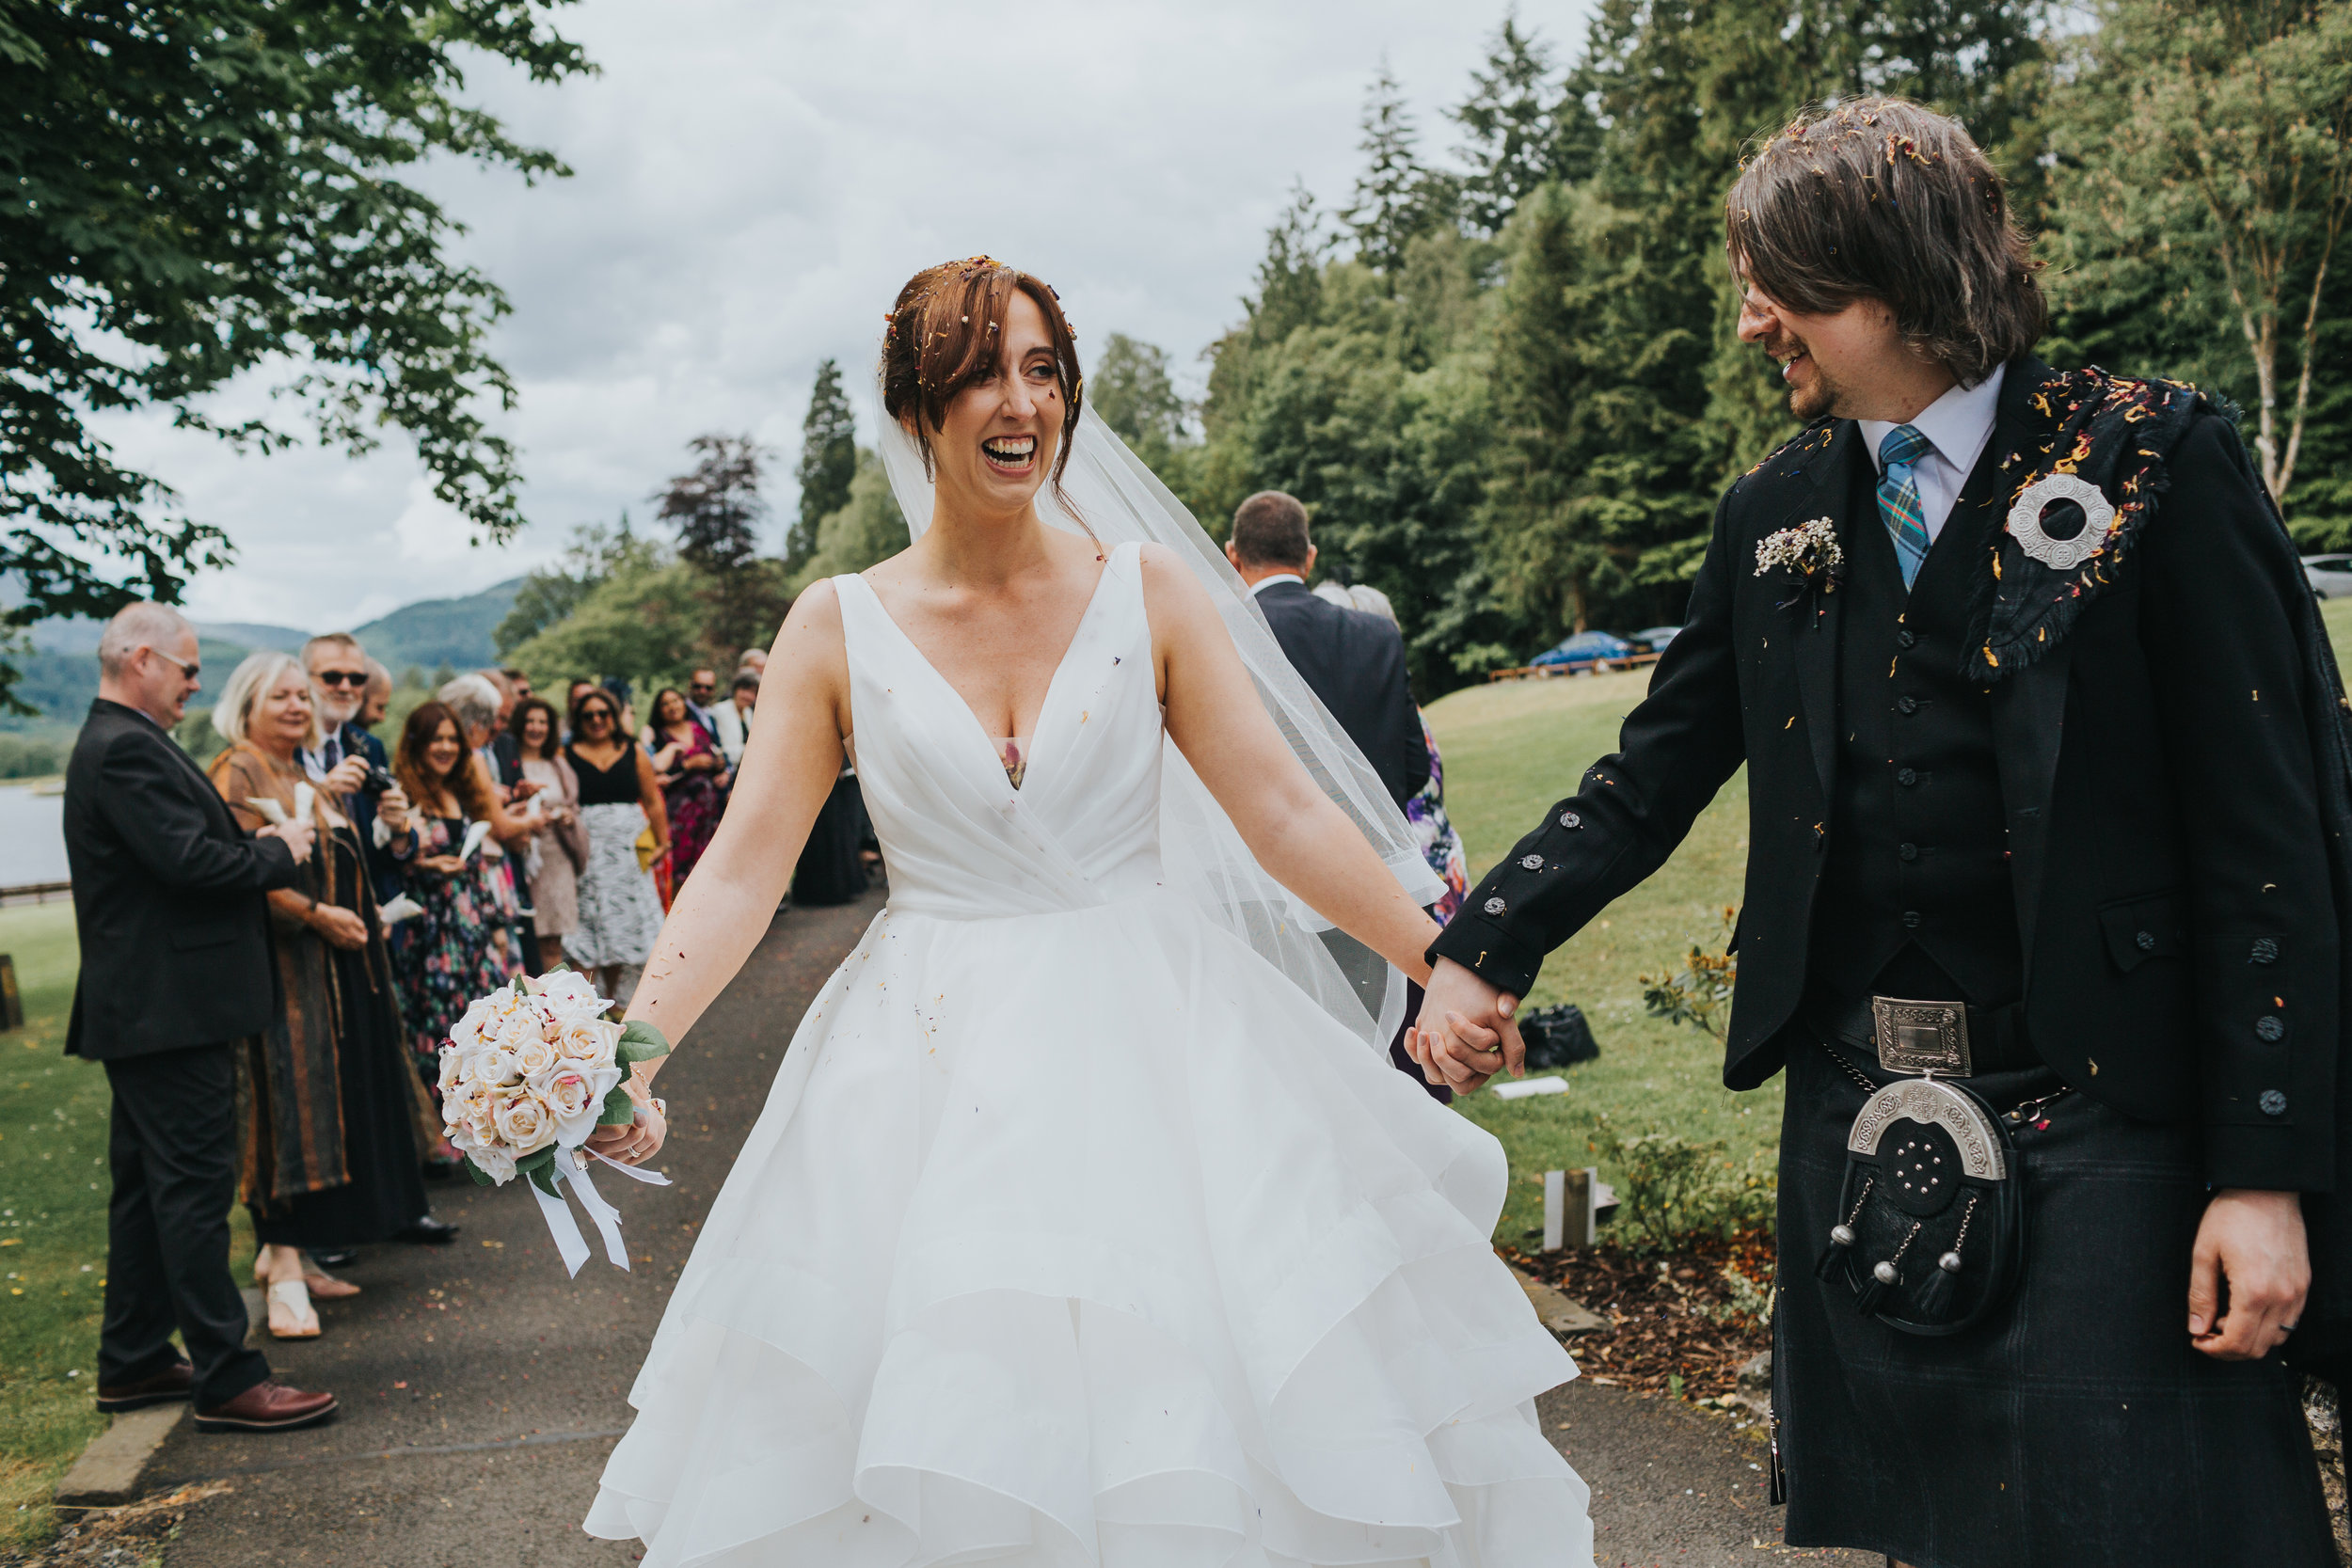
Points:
[[1087, 1238]]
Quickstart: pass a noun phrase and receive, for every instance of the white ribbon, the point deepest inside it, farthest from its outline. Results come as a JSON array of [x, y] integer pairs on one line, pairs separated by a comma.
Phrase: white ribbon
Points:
[[569, 1240], [572, 1165]]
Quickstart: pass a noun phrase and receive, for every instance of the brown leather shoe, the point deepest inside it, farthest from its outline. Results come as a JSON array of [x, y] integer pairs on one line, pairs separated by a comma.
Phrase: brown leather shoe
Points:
[[267, 1406], [174, 1382]]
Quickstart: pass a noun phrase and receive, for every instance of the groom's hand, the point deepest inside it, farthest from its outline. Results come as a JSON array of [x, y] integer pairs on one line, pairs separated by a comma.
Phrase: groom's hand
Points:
[[1466, 1034], [2251, 1243]]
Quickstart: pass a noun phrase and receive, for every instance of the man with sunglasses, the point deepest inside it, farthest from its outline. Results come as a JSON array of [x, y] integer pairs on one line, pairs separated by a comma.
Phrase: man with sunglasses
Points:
[[348, 756]]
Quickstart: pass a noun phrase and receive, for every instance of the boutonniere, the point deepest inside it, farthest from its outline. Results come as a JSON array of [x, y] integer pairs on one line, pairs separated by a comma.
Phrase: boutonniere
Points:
[[1809, 550]]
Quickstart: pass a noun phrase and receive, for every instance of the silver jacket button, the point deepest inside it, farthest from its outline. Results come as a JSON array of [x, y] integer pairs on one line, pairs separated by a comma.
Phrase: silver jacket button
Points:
[[1530, 862], [1569, 820], [2274, 1103], [1495, 906]]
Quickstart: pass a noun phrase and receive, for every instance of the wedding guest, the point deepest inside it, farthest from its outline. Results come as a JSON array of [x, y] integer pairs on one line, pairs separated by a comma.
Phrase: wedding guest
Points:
[[832, 864], [756, 660], [687, 761], [519, 684], [1440, 846], [347, 757], [173, 926], [481, 702], [571, 701], [1354, 662], [731, 720], [459, 947], [379, 698], [702, 695], [328, 1150], [620, 800], [558, 848]]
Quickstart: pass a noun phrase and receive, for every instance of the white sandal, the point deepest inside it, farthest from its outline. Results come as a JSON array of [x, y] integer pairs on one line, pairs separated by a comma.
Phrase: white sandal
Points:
[[301, 1320]]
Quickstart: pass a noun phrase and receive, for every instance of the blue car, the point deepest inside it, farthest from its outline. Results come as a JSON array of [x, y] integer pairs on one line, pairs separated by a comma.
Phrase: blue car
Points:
[[1587, 650]]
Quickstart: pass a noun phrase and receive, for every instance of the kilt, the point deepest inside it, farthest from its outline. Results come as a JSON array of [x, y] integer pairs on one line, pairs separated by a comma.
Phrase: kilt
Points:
[[2073, 1428]]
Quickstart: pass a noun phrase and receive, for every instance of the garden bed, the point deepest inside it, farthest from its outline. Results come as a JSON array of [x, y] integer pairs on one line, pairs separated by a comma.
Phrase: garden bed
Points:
[[1683, 1323]]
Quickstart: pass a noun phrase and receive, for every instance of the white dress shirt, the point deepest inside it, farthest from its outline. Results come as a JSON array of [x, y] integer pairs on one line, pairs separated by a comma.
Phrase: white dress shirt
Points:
[[1266, 582], [1957, 426]]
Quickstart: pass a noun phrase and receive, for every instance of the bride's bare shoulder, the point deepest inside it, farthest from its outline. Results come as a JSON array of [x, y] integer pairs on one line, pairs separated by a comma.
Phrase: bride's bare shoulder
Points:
[[1172, 595], [812, 638]]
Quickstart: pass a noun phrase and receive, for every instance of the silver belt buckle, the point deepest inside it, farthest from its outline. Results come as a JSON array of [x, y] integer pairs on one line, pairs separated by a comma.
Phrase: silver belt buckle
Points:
[[1921, 1037]]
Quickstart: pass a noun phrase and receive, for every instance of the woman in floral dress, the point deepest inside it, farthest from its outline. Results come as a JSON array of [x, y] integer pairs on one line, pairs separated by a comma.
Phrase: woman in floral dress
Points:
[[457, 948], [687, 760]]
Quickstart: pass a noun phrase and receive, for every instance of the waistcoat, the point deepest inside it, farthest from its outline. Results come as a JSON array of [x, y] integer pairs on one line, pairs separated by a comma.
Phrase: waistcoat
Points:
[[1916, 897]]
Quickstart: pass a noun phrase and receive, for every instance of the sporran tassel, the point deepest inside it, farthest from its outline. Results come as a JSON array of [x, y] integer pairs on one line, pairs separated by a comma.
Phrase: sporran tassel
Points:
[[1935, 1291]]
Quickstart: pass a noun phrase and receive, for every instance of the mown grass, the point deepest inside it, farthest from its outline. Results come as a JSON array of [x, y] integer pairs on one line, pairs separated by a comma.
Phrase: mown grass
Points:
[[1512, 750], [54, 1188]]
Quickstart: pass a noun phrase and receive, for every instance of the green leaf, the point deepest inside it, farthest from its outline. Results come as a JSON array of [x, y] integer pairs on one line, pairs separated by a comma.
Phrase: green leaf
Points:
[[640, 1042], [544, 1159], [619, 1109], [543, 1178], [481, 1177]]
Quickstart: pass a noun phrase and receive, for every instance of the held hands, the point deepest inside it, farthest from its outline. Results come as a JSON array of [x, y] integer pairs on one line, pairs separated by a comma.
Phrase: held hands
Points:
[[2252, 1243], [642, 1139], [443, 866], [1465, 1033], [297, 837]]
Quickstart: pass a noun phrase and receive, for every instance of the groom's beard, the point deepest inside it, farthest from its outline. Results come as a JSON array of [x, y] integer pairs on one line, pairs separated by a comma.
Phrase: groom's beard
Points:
[[1817, 395]]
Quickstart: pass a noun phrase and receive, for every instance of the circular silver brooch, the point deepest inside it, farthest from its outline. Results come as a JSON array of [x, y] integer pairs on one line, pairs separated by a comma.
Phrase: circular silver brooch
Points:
[[2060, 555]]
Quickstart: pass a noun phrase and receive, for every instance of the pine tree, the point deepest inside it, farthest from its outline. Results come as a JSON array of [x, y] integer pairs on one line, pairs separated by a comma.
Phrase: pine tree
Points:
[[1396, 197], [1132, 391], [1512, 119], [828, 463], [717, 510]]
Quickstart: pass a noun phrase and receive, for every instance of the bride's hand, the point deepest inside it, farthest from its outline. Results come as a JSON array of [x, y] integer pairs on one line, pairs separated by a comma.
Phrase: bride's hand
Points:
[[642, 1139]]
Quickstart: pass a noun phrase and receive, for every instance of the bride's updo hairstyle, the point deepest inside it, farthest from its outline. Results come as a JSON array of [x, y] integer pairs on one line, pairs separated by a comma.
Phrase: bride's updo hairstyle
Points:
[[944, 334]]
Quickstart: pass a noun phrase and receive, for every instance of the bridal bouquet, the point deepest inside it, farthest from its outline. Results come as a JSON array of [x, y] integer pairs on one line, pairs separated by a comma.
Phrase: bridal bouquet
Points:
[[528, 1072]]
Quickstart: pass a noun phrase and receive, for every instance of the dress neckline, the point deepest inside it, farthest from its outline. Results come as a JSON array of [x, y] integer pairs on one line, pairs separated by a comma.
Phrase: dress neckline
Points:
[[1053, 686]]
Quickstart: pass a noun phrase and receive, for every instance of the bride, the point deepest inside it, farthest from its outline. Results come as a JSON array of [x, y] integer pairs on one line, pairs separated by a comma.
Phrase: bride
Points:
[[1087, 1221]]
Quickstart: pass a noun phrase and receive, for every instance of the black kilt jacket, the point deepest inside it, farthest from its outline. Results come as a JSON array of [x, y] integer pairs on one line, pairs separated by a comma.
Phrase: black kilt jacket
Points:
[[2157, 785]]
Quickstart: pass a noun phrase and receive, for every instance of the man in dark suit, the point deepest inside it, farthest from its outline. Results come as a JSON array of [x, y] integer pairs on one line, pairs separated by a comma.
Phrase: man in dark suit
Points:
[[176, 965], [348, 755], [2046, 782], [1355, 665], [1354, 662]]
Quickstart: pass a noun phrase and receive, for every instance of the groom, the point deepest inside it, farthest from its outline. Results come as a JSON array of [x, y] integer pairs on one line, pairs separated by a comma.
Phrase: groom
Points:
[[2045, 802]]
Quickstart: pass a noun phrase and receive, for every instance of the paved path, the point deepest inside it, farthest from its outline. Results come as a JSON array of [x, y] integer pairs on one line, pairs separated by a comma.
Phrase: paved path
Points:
[[482, 1390]]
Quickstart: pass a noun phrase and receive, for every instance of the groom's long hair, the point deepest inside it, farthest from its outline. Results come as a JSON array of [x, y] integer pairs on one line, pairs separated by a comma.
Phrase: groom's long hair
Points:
[[1881, 199]]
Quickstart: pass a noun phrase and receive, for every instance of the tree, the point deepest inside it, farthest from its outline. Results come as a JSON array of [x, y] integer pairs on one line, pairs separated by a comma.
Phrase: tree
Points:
[[644, 622], [868, 528], [1522, 129], [828, 463], [717, 508], [1396, 197], [552, 593], [1132, 391], [189, 192], [2204, 181]]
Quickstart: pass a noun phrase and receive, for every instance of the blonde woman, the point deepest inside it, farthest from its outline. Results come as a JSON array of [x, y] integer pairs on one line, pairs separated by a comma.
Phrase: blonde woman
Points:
[[330, 1154]]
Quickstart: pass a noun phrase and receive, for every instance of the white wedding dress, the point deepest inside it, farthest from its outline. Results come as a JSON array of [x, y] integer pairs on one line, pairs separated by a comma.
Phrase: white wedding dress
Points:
[[1073, 1232]]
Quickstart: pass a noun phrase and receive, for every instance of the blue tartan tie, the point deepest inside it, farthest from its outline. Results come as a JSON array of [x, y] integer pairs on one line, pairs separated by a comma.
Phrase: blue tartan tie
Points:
[[1899, 498]]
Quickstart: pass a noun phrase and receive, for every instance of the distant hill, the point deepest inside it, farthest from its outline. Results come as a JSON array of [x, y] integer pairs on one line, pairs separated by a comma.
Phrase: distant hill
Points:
[[433, 632], [61, 672]]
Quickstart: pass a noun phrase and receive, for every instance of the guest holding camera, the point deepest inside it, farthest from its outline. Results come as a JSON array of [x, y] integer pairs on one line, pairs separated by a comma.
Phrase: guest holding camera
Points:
[[686, 759], [459, 946], [176, 966], [620, 800], [329, 1152], [348, 760], [558, 847]]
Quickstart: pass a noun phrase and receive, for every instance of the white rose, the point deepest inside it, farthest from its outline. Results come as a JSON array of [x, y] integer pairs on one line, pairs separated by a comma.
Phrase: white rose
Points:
[[494, 1162], [575, 1096], [523, 1123], [453, 1069], [567, 995], [464, 1101], [467, 1029], [516, 1028], [534, 1056], [493, 1066], [589, 1043]]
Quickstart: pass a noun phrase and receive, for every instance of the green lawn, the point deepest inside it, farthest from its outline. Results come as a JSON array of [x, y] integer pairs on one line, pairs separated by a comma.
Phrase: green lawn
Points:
[[1511, 750], [53, 1224]]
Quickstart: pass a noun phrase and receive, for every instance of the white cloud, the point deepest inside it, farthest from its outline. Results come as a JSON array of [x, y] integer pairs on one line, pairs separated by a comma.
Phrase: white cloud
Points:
[[754, 181]]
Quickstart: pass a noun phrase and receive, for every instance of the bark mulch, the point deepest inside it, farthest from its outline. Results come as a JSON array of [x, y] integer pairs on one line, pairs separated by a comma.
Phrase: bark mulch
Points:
[[1681, 1323]]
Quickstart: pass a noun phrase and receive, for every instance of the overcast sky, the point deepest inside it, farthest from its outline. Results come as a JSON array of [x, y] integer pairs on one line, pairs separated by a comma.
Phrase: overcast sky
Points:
[[754, 181]]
